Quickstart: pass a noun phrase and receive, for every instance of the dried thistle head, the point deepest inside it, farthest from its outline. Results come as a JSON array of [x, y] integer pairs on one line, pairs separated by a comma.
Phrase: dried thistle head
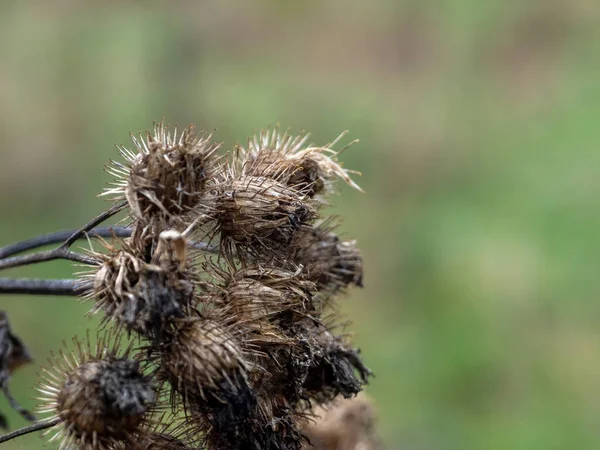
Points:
[[289, 160], [166, 173], [100, 395], [334, 366], [328, 261], [143, 295], [258, 295], [259, 214], [201, 359]]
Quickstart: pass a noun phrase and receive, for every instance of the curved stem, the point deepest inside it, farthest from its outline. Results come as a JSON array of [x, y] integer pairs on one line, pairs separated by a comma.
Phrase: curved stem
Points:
[[63, 252], [29, 429], [34, 286], [59, 237]]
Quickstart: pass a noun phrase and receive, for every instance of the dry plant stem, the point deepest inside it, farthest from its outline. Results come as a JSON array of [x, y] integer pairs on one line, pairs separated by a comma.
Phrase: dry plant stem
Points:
[[63, 251], [59, 237], [29, 429], [33, 286]]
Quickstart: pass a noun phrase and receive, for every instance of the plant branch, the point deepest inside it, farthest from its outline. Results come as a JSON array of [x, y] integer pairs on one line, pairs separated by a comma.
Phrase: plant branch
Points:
[[63, 252], [34, 286], [59, 237], [29, 429]]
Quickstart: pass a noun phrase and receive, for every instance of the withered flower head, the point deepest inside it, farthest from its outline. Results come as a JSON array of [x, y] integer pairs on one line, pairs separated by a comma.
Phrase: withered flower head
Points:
[[333, 367], [328, 261], [257, 295], [260, 213], [143, 296], [201, 357], [289, 160], [166, 173], [100, 396]]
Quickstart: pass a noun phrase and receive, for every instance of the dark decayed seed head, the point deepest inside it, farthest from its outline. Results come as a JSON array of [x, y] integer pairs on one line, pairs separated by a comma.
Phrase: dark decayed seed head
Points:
[[166, 174], [13, 352], [144, 296], [100, 398], [334, 366]]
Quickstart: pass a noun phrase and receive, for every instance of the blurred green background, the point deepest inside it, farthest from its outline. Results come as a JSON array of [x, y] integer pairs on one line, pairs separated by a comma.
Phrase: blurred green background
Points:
[[480, 149]]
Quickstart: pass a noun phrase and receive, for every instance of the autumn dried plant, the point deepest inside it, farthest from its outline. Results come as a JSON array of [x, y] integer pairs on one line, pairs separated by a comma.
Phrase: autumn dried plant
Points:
[[217, 294]]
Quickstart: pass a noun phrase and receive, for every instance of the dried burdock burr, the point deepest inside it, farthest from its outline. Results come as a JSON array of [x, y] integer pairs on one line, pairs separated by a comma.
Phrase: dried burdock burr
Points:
[[143, 296], [259, 294], [334, 367], [259, 215], [99, 396], [327, 260], [289, 160], [166, 173], [13, 354], [205, 365]]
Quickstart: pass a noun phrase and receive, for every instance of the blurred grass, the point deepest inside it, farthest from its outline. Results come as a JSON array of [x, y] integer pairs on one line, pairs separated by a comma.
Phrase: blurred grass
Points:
[[479, 149]]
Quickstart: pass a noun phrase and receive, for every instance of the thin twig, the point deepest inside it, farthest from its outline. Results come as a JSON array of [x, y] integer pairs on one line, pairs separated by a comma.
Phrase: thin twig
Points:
[[29, 429], [92, 223], [34, 286], [59, 237], [63, 252]]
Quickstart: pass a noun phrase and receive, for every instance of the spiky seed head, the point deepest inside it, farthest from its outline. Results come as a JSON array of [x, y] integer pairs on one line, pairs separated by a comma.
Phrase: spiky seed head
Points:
[[166, 173], [334, 366], [261, 294], [200, 355], [287, 159], [328, 261], [100, 396], [142, 296], [261, 213]]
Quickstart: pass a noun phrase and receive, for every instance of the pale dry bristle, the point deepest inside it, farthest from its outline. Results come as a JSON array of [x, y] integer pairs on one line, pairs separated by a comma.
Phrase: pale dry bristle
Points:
[[100, 396], [290, 161], [166, 174]]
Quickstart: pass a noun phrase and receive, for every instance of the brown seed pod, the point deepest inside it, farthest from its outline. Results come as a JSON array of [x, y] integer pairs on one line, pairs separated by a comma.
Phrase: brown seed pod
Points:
[[257, 295], [328, 261], [289, 160], [201, 360], [142, 296], [100, 395], [259, 214], [333, 366], [166, 174]]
